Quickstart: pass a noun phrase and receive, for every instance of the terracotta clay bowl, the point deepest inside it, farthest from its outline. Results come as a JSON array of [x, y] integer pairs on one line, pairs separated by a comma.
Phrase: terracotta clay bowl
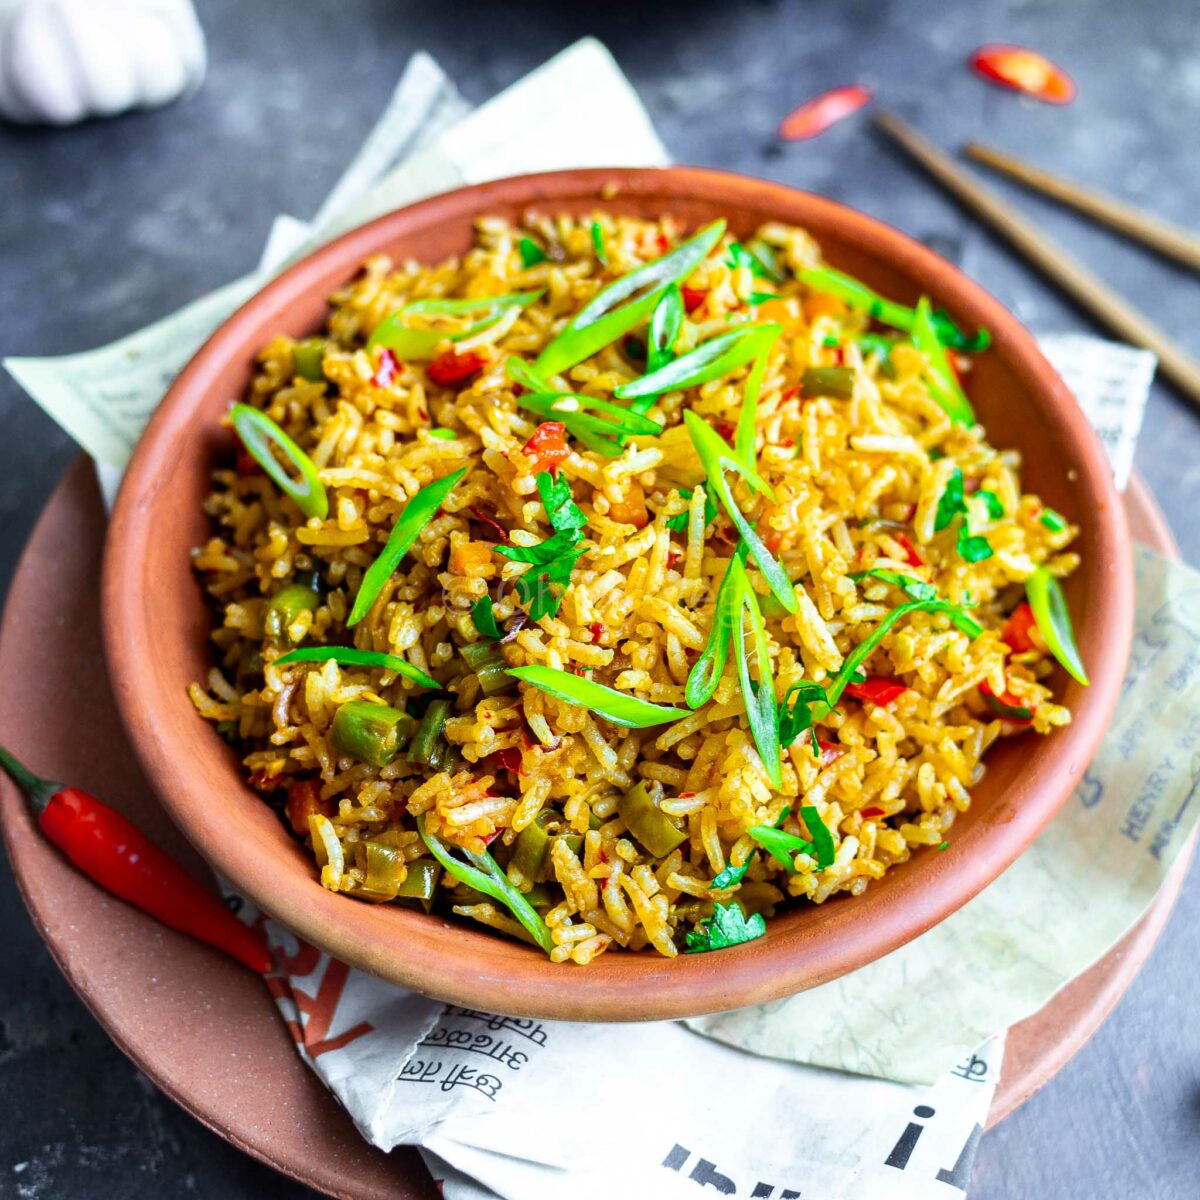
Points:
[[156, 626]]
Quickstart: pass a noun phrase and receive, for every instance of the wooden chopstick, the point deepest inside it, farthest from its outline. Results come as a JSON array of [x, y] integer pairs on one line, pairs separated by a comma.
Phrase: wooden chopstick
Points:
[[1077, 281], [1161, 236]]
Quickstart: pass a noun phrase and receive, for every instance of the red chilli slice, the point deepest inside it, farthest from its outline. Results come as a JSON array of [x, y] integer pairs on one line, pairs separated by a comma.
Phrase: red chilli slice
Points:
[[818, 114], [452, 368], [1024, 71], [878, 690], [910, 551], [548, 446], [692, 298]]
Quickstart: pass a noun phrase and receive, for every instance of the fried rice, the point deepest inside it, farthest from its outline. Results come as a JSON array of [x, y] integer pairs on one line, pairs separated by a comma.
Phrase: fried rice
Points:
[[858, 483]]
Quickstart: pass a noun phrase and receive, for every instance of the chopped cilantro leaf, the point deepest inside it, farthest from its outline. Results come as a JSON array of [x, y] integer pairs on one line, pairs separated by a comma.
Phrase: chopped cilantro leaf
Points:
[[484, 617], [679, 522], [952, 503], [728, 926]]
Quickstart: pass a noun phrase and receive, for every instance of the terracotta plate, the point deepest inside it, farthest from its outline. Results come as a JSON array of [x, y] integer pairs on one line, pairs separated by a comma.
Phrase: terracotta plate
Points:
[[204, 1030]]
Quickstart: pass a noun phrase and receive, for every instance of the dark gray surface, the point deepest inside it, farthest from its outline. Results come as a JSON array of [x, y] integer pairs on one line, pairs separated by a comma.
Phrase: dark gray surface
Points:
[[109, 225]]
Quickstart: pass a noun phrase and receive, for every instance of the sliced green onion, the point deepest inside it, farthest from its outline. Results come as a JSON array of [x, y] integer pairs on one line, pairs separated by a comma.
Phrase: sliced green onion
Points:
[[761, 708], [349, 656], [607, 316], [665, 324], [888, 312], [995, 509], [942, 382], [1053, 521], [412, 519], [713, 359], [742, 256], [484, 617], [422, 344], [782, 847], [716, 456], [618, 707], [1053, 619], [483, 873], [757, 298], [488, 305], [258, 432], [531, 253], [598, 244], [707, 670], [914, 589], [447, 435]]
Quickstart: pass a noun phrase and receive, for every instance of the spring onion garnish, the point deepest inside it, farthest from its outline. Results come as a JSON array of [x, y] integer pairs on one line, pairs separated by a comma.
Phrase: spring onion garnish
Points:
[[755, 259], [713, 359], [1053, 619], [707, 670], [992, 502], [716, 457], [599, 424], [552, 561], [608, 317], [665, 323], [484, 617], [837, 382], [1053, 521], [618, 707], [939, 377], [757, 298], [759, 697], [598, 244], [258, 433], [484, 874], [348, 656], [447, 435], [419, 344], [953, 503], [914, 589], [412, 519], [531, 253], [728, 926], [887, 312]]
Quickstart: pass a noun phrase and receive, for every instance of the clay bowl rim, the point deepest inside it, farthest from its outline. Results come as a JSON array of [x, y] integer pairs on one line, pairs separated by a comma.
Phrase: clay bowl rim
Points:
[[474, 968]]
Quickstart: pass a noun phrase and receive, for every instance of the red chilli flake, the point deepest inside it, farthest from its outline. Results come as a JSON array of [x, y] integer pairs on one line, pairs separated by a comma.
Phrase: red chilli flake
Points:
[[386, 371], [452, 368], [692, 298], [870, 812], [596, 629], [818, 114], [879, 690], [1024, 71], [910, 551]]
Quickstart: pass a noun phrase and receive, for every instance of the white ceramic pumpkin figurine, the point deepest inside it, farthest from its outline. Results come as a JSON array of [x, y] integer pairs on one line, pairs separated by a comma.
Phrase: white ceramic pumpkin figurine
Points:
[[64, 60]]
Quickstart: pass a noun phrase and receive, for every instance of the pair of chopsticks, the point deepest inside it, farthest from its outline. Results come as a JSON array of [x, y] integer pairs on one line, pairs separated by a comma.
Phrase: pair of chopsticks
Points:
[[1089, 292]]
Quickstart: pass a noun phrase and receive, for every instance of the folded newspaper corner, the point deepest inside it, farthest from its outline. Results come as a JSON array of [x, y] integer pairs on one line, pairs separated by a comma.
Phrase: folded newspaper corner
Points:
[[895, 1094]]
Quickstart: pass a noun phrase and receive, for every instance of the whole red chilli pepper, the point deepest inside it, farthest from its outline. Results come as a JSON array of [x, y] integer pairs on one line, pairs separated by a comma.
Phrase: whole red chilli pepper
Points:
[[110, 850]]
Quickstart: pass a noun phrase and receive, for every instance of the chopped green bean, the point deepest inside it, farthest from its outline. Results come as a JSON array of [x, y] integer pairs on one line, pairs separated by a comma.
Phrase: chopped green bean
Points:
[[486, 660], [372, 733], [648, 823], [429, 743]]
